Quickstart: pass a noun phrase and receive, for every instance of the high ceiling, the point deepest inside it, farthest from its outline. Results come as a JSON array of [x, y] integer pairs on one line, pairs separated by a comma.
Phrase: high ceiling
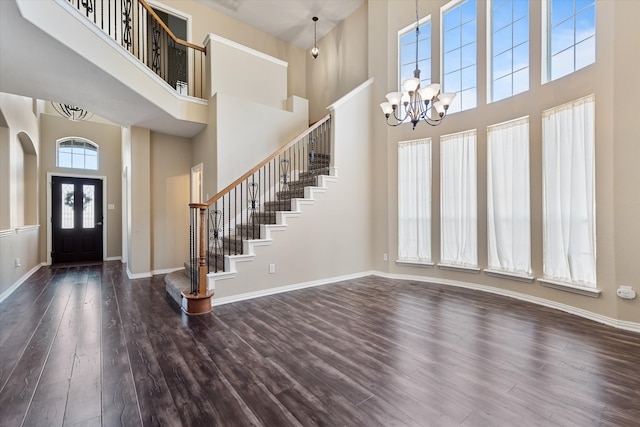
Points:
[[288, 20]]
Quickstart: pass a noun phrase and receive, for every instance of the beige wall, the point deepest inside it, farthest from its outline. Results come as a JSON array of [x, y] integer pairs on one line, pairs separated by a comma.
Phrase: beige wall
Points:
[[19, 230], [108, 137], [617, 202], [341, 65], [205, 20], [170, 183], [626, 150], [332, 237]]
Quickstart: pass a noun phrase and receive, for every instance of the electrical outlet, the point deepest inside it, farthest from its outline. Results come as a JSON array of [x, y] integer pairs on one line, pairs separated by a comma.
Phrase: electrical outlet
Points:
[[272, 268], [385, 257], [17, 263], [626, 292]]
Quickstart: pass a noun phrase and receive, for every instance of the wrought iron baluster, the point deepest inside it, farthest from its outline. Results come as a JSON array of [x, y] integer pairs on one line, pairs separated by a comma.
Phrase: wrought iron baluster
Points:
[[126, 20]]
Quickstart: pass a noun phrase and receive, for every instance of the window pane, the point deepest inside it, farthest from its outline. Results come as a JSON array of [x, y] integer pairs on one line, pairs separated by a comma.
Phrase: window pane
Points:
[[64, 160], [502, 88], [501, 16], [452, 18], [469, 55], [452, 61], [520, 8], [502, 65], [502, 40], [562, 64], [521, 57], [408, 54], [521, 81], [88, 206], [560, 11], [468, 33], [468, 98], [459, 41], [469, 77], [452, 39], [586, 24], [67, 206], [586, 53], [521, 31], [562, 37], [468, 11]]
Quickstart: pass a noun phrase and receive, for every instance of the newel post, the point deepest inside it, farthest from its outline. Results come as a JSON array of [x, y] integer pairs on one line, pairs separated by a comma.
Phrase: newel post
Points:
[[202, 261], [197, 299]]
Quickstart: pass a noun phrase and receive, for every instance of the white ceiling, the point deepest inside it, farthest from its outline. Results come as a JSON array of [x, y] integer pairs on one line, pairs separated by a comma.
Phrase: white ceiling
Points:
[[288, 20]]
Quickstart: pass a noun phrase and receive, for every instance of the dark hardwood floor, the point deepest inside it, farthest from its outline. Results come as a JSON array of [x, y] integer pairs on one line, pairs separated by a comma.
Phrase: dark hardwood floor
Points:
[[87, 346]]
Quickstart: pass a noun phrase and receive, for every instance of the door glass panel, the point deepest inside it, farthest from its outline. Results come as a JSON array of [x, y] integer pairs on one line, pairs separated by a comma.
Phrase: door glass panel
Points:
[[88, 206], [68, 201]]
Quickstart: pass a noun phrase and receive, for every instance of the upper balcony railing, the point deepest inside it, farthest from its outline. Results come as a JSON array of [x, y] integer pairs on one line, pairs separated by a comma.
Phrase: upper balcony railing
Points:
[[139, 29]]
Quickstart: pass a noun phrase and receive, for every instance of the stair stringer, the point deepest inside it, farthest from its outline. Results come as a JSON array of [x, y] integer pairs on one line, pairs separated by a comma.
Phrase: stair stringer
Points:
[[232, 261]]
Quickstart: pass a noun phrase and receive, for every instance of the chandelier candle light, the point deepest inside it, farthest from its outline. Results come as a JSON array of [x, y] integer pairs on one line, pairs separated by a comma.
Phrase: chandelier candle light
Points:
[[426, 103]]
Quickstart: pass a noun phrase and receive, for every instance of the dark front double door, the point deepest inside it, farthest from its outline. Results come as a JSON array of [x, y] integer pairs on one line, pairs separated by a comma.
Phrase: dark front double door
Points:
[[76, 219]]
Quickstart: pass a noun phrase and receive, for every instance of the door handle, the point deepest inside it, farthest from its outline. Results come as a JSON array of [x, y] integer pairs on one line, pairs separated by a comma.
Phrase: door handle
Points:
[[99, 223]]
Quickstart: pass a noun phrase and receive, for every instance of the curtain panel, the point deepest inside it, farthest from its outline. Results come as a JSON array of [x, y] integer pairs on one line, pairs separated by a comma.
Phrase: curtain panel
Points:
[[414, 201], [569, 223], [508, 202], [458, 199]]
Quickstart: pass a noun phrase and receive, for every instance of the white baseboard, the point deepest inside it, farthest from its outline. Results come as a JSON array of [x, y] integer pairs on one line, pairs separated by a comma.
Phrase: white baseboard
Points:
[[621, 324], [113, 258], [16, 285], [130, 275], [271, 291]]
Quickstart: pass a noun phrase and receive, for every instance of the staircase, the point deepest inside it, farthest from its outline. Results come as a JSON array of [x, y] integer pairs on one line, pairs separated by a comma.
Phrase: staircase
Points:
[[225, 229]]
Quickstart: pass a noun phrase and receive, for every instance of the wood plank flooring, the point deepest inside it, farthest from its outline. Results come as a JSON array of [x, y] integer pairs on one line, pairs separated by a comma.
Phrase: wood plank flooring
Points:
[[85, 346]]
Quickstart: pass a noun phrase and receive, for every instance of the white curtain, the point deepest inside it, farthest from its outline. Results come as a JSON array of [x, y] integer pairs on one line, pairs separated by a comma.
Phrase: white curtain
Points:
[[458, 199], [414, 201], [508, 208], [569, 193]]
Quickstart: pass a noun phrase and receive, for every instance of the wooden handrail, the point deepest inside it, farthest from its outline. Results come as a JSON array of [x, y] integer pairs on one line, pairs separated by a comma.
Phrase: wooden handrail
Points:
[[253, 170], [168, 31]]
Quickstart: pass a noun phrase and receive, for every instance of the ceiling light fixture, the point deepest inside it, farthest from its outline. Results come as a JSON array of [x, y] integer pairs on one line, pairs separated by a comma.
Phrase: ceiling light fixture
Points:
[[71, 112], [425, 103], [315, 52]]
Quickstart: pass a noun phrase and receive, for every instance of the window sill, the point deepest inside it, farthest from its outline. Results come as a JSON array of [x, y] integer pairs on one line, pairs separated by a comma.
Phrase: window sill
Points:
[[405, 263], [568, 287], [462, 268], [508, 275]]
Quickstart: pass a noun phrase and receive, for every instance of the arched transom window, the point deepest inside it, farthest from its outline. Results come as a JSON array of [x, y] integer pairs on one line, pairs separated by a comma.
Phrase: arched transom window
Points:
[[77, 153]]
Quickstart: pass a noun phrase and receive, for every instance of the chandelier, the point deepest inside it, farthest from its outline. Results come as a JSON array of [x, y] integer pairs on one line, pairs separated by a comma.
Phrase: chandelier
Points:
[[71, 112], [419, 103]]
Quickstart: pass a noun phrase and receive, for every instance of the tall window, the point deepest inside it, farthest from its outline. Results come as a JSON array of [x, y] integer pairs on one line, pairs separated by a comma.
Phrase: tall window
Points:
[[458, 199], [508, 211], [414, 201], [571, 37], [569, 236], [509, 47], [77, 153], [407, 41], [459, 46]]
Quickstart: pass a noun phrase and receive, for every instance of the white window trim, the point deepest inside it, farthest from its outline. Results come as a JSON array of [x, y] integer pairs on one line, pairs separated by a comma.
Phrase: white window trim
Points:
[[568, 287], [509, 275]]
